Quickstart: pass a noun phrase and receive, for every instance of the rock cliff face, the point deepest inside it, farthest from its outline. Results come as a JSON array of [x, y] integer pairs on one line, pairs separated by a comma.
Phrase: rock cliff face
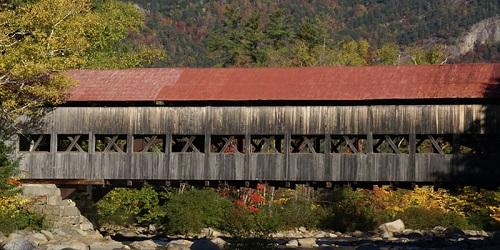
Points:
[[487, 30]]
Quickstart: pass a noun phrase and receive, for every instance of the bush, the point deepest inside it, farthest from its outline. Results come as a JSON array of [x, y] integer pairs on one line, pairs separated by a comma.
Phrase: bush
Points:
[[124, 206], [15, 214], [298, 213], [349, 210], [481, 207], [243, 223], [8, 168], [424, 218], [193, 210]]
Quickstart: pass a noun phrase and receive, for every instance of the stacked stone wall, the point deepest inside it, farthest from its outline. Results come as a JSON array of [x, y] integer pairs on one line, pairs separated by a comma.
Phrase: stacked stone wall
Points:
[[61, 213]]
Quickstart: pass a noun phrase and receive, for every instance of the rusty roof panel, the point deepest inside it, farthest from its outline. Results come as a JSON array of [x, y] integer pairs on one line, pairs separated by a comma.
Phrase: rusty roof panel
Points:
[[289, 84], [121, 85]]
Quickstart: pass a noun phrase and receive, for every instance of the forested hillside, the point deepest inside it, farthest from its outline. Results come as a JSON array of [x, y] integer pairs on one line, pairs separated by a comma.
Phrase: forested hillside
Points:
[[313, 32]]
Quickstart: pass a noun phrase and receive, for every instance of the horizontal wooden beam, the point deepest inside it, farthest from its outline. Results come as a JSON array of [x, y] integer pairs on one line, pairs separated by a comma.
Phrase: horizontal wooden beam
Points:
[[64, 181]]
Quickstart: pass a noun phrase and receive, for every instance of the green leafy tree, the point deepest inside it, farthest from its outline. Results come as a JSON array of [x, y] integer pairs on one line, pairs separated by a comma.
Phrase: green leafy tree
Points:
[[435, 55], [225, 43], [388, 54], [40, 39], [279, 31], [314, 31], [193, 210], [8, 168]]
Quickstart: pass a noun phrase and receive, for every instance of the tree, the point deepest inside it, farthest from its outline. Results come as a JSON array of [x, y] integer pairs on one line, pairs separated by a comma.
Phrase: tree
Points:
[[279, 31], [8, 168], [435, 55], [388, 54], [41, 39], [224, 43], [314, 31]]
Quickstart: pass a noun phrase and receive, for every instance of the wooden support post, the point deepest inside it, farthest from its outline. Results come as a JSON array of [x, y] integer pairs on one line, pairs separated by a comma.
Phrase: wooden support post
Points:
[[91, 143], [328, 155], [53, 142], [455, 141], [369, 142], [287, 149], [167, 155], [412, 157], [248, 152], [208, 143]]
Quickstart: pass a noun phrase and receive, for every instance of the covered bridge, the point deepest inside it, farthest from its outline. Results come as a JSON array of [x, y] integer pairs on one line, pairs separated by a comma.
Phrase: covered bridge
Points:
[[325, 124]]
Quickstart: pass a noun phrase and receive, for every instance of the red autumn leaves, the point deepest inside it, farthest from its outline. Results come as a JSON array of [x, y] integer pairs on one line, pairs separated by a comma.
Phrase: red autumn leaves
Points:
[[252, 199]]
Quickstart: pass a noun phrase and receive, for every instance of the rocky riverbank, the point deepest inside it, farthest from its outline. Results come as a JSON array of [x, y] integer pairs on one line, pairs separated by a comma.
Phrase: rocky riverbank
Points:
[[389, 235], [70, 230]]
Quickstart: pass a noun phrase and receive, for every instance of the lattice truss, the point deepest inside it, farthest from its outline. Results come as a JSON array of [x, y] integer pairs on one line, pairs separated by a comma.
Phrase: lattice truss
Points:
[[72, 143], [34, 143], [267, 143], [348, 144], [391, 144], [307, 144], [111, 143], [149, 143], [228, 144], [188, 143]]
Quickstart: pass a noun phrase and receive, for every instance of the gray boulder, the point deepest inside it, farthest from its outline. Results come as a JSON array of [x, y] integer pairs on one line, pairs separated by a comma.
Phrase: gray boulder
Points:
[[71, 245], [2, 238], [37, 238], [292, 243], [396, 226], [307, 242], [204, 244], [144, 245], [19, 244], [106, 245], [179, 245], [454, 232]]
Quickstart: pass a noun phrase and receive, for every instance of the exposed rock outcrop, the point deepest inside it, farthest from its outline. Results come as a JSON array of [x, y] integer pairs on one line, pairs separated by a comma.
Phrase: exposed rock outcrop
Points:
[[479, 33]]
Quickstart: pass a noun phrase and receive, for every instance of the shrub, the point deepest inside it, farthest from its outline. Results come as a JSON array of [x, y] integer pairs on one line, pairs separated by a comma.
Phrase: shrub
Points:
[[243, 223], [8, 168], [193, 210], [297, 213], [123, 206], [15, 214], [425, 218], [481, 207], [349, 210]]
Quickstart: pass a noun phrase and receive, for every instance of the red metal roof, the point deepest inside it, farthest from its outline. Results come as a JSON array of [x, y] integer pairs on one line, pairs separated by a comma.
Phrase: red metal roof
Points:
[[289, 84]]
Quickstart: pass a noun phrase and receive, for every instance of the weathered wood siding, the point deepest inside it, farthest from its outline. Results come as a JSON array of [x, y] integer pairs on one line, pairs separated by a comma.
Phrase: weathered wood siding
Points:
[[267, 120]]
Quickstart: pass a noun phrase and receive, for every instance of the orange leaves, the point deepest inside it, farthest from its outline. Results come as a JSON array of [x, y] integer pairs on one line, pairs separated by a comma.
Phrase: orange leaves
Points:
[[13, 182]]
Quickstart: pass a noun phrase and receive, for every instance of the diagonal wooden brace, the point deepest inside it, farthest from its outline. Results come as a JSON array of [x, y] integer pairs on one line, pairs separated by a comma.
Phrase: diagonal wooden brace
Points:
[[350, 143], [74, 144], [189, 144], [150, 141], [435, 144], [391, 143]]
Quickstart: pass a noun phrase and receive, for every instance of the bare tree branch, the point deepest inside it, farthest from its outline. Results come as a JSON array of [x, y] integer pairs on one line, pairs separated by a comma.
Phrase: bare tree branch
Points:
[[55, 26]]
